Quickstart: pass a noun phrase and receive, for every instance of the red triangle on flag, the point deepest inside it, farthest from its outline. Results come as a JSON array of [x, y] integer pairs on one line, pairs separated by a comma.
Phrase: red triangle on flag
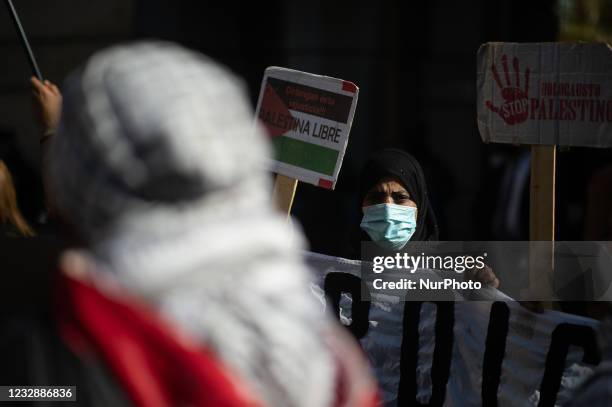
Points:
[[272, 106]]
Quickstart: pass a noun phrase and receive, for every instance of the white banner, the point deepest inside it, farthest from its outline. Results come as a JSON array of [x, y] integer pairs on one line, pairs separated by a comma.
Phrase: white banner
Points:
[[459, 353]]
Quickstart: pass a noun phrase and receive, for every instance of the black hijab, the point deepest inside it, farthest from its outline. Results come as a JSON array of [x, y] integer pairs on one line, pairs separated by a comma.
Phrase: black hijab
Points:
[[395, 162]]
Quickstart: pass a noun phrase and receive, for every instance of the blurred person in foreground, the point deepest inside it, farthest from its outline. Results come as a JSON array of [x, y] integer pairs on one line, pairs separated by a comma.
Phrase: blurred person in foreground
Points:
[[12, 222], [188, 285]]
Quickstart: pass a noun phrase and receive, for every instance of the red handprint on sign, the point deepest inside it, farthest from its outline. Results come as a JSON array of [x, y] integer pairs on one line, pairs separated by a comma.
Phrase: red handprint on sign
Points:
[[516, 101]]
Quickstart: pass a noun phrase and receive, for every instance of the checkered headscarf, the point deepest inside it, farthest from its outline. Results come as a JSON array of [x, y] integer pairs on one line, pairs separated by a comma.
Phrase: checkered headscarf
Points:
[[158, 165]]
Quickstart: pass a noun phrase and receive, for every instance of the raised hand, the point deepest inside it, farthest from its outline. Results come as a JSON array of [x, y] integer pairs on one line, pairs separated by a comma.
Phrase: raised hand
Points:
[[485, 275], [46, 105], [515, 108]]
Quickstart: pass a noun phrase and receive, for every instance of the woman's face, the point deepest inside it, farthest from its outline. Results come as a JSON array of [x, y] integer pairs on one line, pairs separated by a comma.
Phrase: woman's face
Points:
[[388, 190]]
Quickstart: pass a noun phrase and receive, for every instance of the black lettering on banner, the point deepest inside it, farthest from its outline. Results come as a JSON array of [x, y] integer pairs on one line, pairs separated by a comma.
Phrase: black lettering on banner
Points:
[[440, 369], [495, 348], [562, 337], [338, 283]]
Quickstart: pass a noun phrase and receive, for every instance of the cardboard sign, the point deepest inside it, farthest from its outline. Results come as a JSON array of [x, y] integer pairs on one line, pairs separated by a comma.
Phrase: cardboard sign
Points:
[[545, 93], [309, 118], [476, 353]]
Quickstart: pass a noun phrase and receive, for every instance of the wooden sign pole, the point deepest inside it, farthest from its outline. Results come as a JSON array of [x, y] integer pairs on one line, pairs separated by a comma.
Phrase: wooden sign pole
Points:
[[284, 192], [542, 204], [542, 220]]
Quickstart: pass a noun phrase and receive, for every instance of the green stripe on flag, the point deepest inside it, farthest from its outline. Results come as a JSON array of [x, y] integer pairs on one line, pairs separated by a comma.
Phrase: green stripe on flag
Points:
[[305, 155]]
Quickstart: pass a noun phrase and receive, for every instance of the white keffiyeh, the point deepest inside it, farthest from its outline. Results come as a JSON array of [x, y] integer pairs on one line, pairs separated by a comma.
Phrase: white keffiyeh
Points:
[[158, 165]]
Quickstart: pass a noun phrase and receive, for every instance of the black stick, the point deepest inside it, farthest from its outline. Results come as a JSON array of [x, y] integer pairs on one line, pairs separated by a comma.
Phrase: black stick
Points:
[[24, 40]]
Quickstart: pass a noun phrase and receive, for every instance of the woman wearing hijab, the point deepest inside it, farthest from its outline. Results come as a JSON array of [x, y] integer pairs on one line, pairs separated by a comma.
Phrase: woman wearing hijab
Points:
[[394, 200], [395, 205]]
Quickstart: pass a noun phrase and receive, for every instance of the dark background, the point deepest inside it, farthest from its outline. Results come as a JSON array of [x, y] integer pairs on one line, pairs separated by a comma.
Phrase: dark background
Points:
[[415, 64]]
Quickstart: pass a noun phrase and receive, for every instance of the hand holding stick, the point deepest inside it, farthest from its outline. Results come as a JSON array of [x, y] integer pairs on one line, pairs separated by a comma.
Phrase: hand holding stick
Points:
[[46, 105]]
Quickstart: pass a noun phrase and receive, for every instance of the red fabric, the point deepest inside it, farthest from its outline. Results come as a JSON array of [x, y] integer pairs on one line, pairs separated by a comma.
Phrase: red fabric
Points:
[[154, 365]]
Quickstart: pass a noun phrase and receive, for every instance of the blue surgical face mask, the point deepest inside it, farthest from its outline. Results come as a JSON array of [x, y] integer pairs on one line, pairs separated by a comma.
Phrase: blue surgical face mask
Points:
[[390, 226]]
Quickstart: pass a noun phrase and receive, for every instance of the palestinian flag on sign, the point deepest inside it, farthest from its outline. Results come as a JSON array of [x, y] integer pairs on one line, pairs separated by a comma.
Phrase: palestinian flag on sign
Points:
[[308, 118]]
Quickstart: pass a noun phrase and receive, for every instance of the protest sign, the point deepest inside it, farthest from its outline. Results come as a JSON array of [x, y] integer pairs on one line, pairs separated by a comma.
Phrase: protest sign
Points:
[[309, 118], [464, 353], [545, 93]]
